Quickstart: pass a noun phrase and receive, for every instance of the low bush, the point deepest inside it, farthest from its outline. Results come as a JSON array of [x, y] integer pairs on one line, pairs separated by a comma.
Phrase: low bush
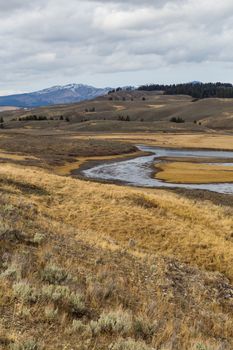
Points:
[[50, 312], [38, 238], [63, 295], [13, 272], [119, 322], [54, 274], [26, 293], [177, 120], [129, 344], [143, 328], [25, 345], [60, 295]]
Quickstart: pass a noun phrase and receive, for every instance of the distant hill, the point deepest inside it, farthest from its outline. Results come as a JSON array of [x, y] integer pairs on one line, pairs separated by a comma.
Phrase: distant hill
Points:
[[131, 111], [194, 82], [55, 95]]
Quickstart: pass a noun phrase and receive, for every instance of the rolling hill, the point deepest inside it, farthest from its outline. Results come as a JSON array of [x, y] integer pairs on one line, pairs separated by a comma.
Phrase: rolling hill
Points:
[[144, 110]]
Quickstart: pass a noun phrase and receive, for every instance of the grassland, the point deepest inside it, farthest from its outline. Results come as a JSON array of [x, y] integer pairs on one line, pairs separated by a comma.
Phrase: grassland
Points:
[[171, 140], [185, 172], [54, 151], [87, 265], [147, 112]]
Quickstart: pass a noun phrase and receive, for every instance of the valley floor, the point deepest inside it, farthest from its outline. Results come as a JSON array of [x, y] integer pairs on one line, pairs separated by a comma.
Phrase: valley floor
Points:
[[86, 265]]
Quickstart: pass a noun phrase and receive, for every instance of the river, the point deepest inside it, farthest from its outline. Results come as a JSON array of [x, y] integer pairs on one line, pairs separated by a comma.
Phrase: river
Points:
[[139, 171]]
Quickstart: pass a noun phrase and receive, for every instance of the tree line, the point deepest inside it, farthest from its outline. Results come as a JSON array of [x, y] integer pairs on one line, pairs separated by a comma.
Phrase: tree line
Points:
[[196, 90], [1, 123], [35, 117]]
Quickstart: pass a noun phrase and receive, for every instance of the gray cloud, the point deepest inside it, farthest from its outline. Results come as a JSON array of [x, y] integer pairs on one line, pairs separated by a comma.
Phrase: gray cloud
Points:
[[12, 6], [102, 42]]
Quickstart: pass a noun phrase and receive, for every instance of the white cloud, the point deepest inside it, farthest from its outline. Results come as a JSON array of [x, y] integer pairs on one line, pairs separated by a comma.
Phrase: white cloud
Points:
[[67, 41]]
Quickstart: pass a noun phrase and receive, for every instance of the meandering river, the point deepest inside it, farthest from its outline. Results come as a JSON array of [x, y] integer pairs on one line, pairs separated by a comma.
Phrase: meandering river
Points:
[[138, 171]]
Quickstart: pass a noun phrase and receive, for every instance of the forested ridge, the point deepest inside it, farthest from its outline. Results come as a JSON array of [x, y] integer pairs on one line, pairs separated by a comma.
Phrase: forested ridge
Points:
[[196, 90]]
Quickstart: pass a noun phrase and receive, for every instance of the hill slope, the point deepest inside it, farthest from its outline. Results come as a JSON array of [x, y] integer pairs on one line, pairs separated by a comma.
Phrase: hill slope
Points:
[[129, 111], [108, 268]]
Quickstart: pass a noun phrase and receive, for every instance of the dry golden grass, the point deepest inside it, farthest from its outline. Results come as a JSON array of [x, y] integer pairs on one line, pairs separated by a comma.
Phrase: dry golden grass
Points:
[[83, 264], [186, 172], [14, 156], [160, 222], [207, 141], [118, 257]]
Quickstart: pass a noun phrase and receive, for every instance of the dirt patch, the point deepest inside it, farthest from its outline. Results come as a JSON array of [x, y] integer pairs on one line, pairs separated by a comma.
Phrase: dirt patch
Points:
[[156, 106], [120, 108]]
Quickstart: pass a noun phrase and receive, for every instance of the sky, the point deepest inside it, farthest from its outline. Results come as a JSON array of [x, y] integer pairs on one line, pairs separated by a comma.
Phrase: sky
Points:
[[113, 43]]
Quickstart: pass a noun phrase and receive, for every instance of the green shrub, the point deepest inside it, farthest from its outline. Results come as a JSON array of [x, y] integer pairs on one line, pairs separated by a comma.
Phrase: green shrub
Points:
[[25, 292], [129, 344], [54, 293], [25, 345], [78, 326], [143, 328], [75, 301], [62, 294], [50, 293], [50, 313], [54, 274], [201, 347], [4, 228], [13, 272], [119, 322], [38, 238]]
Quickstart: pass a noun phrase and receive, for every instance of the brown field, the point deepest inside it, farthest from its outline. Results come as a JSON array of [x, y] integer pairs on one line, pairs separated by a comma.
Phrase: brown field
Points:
[[184, 172]]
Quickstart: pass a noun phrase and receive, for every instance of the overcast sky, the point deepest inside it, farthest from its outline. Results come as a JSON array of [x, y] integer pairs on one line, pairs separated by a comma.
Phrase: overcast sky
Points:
[[111, 43]]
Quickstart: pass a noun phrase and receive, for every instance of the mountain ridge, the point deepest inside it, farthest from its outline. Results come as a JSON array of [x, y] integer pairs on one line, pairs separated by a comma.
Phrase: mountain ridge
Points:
[[58, 94]]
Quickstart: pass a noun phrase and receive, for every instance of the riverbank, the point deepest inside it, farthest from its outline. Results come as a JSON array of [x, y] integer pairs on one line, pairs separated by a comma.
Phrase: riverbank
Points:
[[138, 172], [83, 163]]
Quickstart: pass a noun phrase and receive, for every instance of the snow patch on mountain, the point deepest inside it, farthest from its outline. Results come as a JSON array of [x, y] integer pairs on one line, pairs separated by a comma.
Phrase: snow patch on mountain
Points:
[[70, 93]]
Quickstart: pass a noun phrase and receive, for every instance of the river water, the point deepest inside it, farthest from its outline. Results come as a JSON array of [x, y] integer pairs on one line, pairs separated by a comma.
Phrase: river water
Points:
[[138, 171]]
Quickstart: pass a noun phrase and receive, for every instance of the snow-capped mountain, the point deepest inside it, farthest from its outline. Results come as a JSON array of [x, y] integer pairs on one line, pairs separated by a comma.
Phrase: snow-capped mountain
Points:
[[70, 93]]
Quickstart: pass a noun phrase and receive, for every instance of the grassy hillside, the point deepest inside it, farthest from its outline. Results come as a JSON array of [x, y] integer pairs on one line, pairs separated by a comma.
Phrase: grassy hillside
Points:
[[94, 266], [147, 111], [86, 265]]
